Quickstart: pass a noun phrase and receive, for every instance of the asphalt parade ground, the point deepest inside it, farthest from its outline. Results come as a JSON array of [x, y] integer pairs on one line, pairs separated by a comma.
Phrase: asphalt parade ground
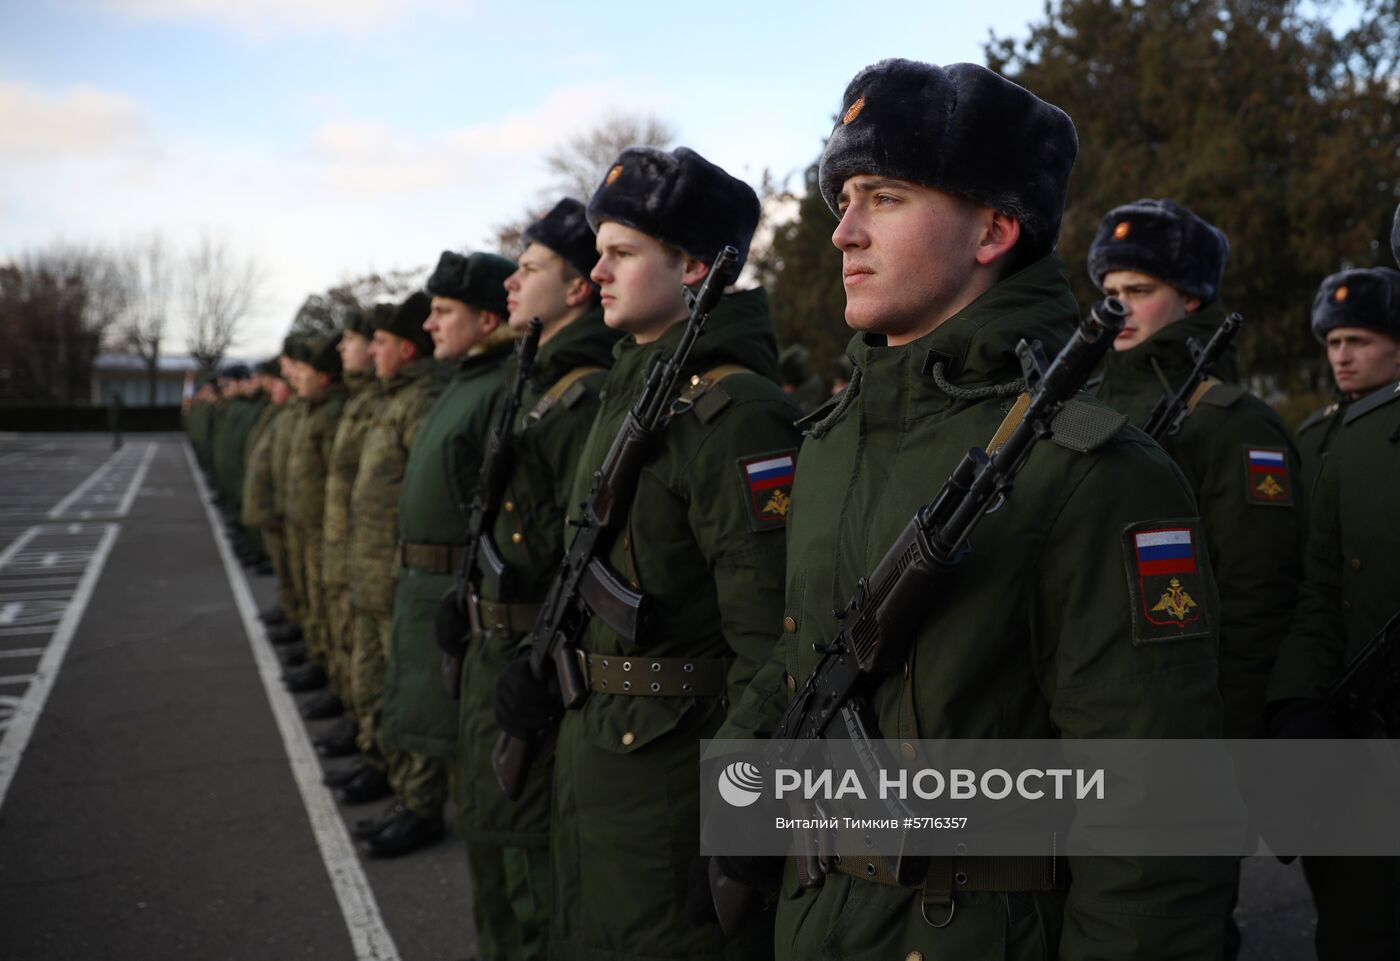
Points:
[[159, 795]]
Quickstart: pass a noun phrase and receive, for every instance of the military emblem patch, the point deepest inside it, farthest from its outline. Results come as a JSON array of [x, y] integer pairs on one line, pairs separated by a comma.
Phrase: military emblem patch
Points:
[[853, 111], [1340, 294], [1122, 230], [1266, 476], [1168, 595], [768, 484], [613, 174]]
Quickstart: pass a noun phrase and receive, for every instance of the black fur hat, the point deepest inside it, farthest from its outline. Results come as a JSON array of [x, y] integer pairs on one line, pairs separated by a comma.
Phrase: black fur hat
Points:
[[406, 321], [235, 371], [565, 231], [324, 355], [294, 348], [1395, 236], [679, 198], [1367, 298], [1163, 239], [356, 322], [962, 129], [477, 280]]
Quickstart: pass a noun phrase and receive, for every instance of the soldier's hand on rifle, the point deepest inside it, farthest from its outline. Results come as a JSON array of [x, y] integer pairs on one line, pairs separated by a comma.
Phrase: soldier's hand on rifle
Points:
[[525, 705]]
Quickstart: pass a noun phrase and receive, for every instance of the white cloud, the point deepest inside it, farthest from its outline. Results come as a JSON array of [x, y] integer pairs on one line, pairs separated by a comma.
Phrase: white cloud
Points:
[[81, 121], [263, 17]]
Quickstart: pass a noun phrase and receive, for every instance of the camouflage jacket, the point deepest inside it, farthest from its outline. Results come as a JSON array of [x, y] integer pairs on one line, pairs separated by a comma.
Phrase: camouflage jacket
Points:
[[364, 392]]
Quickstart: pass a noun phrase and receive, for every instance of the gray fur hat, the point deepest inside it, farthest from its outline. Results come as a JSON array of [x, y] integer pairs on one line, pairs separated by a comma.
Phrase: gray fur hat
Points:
[[679, 198], [565, 231], [962, 129], [1163, 239], [1368, 298]]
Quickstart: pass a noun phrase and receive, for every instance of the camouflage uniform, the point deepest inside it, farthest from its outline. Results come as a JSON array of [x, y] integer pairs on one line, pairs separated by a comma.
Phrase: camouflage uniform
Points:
[[291, 580], [364, 396]]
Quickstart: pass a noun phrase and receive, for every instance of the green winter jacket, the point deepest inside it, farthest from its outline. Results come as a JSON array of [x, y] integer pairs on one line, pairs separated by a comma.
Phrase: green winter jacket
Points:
[[1352, 567], [1314, 438], [529, 534], [434, 506], [1047, 630], [1243, 469], [704, 542]]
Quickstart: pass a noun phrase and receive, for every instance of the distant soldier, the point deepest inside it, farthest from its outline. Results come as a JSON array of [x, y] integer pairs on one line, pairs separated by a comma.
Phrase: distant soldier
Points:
[[799, 382], [361, 401], [468, 326], [1363, 349], [1349, 591], [508, 842], [1165, 264], [260, 507], [703, 543], [949, 184], [290, 598], [323, 393], [409, 382]]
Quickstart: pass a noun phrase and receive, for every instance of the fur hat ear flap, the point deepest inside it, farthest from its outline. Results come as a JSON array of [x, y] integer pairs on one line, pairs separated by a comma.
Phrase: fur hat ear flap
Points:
[[1367, 298], [962, 129], [1162, 239], [565, 231], [679, 198]]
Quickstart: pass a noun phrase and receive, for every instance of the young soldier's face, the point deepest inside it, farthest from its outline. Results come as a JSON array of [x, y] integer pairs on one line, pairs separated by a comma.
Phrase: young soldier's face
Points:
[[539, 288], [456, 327], [1362, 359], [1151, 305], [640, 280], [354, 351], [391, 354], [278, 391], [312, 383], [908, 253]]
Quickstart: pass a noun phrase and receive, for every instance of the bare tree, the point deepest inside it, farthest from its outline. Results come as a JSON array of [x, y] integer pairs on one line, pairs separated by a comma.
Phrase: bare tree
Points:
[[148, 295], [219, 288], [578, 165]]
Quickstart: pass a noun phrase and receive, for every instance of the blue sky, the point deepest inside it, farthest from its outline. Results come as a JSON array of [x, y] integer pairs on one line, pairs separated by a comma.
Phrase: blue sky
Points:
[[333, 137]]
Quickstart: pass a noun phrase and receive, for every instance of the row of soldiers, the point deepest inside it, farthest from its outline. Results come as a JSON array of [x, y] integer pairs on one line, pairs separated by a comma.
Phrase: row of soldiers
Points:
[[1211, 581]]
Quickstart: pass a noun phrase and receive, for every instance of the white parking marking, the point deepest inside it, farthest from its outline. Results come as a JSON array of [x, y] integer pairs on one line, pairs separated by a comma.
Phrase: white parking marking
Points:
[[368, 934], [10, 612]]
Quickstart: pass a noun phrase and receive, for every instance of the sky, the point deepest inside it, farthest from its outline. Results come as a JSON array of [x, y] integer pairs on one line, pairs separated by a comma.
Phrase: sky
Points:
[[331, 138]]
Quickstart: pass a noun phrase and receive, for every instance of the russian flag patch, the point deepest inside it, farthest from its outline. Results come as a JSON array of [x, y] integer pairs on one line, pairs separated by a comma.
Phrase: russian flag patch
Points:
[[1266, 476], [1168, 592], [767, 482]]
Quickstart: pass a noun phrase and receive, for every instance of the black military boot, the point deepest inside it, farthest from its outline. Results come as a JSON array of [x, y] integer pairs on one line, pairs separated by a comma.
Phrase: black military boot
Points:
[[369, 785], [366, 828], [272, 616], [407, 832], [339, 741], [341, 776], [308, 677], [293, 655], [287, 633], [324, 705]]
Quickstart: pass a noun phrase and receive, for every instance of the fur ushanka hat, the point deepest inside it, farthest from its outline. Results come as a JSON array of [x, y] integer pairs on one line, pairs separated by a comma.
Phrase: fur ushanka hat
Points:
[[1368, 298], [406, 320], [1162, 239], [679, 198], [565, 231], [477, 280], [962, 129]]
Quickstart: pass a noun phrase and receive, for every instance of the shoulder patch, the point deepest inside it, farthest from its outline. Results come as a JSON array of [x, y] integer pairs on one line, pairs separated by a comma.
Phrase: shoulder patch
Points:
[[1083, 427], [1267, 480], [1371, 401], [1222, 394], [1165, 586], [767, 480]]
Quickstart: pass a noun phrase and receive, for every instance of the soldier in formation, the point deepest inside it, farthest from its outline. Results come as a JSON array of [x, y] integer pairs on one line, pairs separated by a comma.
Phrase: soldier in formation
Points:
[[747, 528]]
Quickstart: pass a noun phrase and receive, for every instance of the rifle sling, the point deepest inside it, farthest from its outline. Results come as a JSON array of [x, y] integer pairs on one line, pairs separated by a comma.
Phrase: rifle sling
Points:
[[552, 396]]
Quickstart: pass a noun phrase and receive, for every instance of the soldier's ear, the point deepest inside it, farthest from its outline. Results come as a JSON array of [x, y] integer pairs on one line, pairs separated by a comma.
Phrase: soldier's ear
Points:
[[1191, 305], [694, 269], [998, 237], [579, 291]]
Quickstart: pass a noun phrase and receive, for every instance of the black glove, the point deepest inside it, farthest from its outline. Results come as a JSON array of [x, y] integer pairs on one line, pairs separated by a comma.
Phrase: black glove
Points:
[[699, 903], [451, 627], [730, 889], [523, 704], [1302, 717]]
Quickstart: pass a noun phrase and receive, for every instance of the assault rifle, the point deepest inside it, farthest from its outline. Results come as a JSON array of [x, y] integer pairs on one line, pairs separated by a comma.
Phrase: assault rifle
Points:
[[1171, 410], [884, 615], [482, 563], [1365, 700], [585, 585]]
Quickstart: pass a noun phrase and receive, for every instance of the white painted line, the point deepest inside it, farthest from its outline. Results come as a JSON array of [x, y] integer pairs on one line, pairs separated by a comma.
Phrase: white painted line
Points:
[[125, 507], [27, 711], [368, 934], [18, 544], [57, 510], [50, 559], [9, 612], [26, 630], [17, 678], [23, 652]]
